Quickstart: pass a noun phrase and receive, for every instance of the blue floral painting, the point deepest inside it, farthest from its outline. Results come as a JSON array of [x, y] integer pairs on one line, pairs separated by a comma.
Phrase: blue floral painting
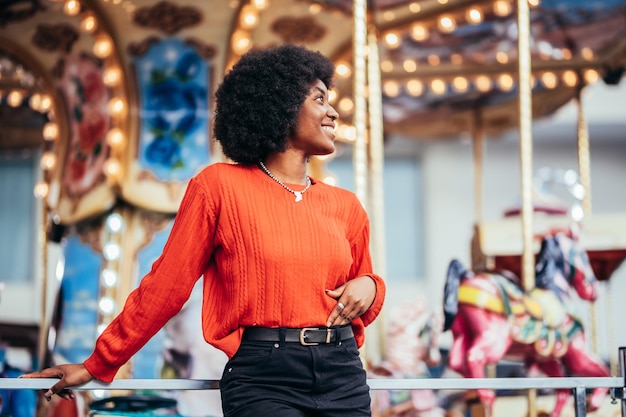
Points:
[[173, 82]]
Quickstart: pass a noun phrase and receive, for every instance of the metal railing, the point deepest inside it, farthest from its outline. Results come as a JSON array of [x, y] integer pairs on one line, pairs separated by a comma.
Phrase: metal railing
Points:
[[579, 385]]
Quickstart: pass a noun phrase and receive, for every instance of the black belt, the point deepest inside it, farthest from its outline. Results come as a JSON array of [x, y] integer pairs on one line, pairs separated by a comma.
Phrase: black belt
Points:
[[308, 336]]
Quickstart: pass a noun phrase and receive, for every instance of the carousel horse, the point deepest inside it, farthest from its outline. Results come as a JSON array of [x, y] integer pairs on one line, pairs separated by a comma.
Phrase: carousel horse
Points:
[[491, 316], [412, 348]]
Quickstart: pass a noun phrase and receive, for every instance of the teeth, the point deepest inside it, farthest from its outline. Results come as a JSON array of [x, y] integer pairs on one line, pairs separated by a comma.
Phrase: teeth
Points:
[[330, 129]]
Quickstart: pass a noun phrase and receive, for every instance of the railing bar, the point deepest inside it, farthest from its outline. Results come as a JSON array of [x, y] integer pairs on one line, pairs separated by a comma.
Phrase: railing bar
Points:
[[375, 383], [580, 402]]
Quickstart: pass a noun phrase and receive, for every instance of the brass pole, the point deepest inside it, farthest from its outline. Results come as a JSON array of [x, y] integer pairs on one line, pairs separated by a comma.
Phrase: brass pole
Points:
[[359, 156], [478, 140], [376, 147], [526, 155], [43, 323], [584, 171]]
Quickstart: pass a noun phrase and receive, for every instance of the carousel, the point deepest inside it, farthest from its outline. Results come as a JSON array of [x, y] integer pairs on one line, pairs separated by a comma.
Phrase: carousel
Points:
[[112, 101]]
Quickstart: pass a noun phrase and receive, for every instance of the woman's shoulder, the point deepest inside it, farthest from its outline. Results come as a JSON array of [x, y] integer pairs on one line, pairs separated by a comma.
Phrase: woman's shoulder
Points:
[[343, 194], [222, 171]]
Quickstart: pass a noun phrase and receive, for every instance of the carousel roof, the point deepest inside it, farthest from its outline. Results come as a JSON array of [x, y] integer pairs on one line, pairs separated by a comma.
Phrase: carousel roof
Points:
[[446, 66], [442, 61]]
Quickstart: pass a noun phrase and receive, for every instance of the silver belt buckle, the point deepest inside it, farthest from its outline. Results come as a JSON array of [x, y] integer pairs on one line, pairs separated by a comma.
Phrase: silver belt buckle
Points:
[[305, 343]]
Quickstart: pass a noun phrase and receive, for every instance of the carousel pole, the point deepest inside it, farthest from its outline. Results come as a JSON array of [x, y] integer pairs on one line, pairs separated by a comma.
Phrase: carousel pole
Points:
[[376, 173], [526, 156], [584, 171], [360, 105]]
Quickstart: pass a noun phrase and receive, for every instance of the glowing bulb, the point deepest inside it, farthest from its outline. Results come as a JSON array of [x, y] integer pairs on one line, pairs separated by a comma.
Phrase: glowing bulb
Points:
[[48, 160], [35, 101], [438, 86], [106, 305], [346, 105], [343, 70], [483, 83], [111, 76], [46, 103], [41, 190], [111, 251], [409, 65], [102, 47], [14, 98], [392, 40], [419, 32], [391, 88], [415, 87], [474, 16], [447, 24], [116, 105], [71, 7], [89, 23], [460, 84], [114, 223], [50, 131], [109, 277], [115, 138], [112, 169], [549, 80]]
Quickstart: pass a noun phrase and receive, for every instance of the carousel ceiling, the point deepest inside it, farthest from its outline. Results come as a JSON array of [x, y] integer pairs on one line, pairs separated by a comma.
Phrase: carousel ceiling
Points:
[[445, 64]]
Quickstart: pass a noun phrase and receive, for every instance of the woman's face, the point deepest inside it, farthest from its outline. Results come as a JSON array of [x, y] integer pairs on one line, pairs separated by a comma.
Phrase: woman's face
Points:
[[315, 133]]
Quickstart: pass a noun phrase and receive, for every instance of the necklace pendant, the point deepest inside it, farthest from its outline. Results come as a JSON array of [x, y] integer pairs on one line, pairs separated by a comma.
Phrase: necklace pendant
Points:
[[298, 195]]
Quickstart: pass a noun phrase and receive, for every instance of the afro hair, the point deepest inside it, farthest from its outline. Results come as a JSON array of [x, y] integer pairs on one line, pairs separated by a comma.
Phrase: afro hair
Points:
[[258, 101]]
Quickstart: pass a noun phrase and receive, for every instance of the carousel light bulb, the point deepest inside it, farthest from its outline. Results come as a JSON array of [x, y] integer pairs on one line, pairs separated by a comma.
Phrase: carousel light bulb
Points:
[[41, 190], [102, 47], [101, 328], [474, 16], [447, 24], [587, 53], [386, 65], [48, 160], [241, 42], [260, 4], [35, 102], [434, 59], [50, 131], [71, 7], [112, 169], [460, 84], [506, 82], [549, 79], [346, 105], [15, 98], [388, 16], [392, 40], [89, 23], [106, 305], [111, 251], [249, 16], [111, 76], [46, 103], [109, 277], [114, 223], [483, 83], [116, 106], [591, 76], [343, 70], [391, 88], [415, 7], [415, 88], [456, 59], [419, 32], [115, 138], [569, 78], [502, 8], [332, 96], [409, 65], [438, 86], [502, 57]]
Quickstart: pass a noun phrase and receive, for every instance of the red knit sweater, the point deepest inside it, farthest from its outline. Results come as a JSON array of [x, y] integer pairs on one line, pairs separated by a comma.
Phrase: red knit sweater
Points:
[[266, 260]]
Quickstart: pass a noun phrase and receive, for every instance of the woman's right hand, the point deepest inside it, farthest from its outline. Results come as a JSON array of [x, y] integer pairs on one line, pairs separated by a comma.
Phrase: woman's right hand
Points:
[[70, 375]]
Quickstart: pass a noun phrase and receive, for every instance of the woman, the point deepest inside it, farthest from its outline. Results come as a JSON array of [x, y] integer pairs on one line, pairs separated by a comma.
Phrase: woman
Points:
[[288, 281]]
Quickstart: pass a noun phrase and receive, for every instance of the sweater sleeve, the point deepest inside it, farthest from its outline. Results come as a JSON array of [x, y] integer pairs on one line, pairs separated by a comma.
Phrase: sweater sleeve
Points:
[[163, 291], [362, 263]]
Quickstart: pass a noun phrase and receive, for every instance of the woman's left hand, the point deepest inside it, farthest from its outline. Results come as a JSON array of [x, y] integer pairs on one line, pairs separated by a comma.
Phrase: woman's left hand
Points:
[[353, 299]]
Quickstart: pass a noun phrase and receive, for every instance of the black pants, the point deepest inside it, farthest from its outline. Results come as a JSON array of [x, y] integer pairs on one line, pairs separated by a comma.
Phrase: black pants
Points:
[[291, 380]]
